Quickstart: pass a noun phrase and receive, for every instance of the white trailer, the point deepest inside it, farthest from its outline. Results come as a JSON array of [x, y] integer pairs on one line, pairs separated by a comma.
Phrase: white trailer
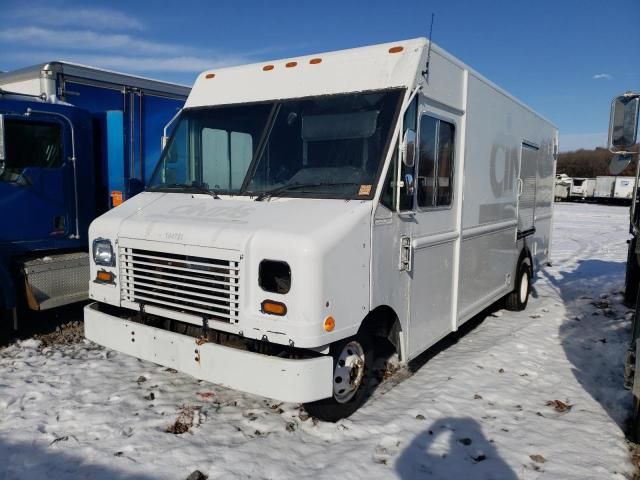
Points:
[[604, 188], [305, 209], [623, 189], [562, 188], [582, 188]]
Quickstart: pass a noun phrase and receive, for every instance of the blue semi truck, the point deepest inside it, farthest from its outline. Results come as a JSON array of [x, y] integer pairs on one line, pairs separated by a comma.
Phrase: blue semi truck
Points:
[[74, 142]]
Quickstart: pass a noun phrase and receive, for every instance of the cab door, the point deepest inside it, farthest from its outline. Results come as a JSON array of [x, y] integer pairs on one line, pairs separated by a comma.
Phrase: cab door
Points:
[[434, 235], [34, 180]]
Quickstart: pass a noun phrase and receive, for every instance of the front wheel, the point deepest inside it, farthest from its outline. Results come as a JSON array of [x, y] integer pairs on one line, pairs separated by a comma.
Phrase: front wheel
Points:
[[352, 374], [517, 300]]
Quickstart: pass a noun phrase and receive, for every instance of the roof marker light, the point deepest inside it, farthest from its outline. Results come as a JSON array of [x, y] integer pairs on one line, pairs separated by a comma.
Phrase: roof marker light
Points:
[[315, 61], [209, 75], [397, 49], [266, 68], [291, 64]]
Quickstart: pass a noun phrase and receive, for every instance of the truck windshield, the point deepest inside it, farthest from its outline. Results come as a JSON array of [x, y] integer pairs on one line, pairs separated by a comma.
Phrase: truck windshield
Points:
[[330, 146]]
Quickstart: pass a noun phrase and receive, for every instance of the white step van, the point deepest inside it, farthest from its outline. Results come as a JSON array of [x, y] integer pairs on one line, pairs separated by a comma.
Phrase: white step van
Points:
[[306, 210]]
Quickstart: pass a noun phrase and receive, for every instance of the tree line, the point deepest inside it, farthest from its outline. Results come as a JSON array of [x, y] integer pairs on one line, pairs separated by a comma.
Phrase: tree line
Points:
[[591, 163]]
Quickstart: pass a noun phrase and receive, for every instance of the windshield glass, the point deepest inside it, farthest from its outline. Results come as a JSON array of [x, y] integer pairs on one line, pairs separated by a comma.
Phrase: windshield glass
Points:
[[329, 146]]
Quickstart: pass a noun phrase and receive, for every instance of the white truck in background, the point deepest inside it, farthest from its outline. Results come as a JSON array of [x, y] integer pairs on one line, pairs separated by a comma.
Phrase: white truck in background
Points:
[[623, 189], [604, 188], [562, 187], [305, 210], [582, 188]]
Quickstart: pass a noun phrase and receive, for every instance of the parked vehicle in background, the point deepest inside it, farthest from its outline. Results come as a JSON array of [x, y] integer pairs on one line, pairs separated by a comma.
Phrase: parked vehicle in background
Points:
[[582, 188], [623, 131], [604, 188], [289, 228], [623, 190], [74, 142], [562, 187]]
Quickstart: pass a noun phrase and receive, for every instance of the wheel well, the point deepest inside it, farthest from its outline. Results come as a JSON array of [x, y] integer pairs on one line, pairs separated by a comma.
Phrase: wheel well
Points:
[[382, 322], [525, 256]]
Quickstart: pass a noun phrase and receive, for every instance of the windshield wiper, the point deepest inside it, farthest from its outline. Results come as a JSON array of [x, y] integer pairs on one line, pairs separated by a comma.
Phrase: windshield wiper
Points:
[[184, 187], [299, 186]]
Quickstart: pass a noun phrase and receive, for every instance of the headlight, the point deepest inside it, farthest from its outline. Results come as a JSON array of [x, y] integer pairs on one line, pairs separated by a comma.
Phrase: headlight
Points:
[[103, 253]]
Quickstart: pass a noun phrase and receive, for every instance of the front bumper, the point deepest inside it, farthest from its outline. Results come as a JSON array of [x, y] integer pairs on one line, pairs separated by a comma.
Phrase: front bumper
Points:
[[284, 379]]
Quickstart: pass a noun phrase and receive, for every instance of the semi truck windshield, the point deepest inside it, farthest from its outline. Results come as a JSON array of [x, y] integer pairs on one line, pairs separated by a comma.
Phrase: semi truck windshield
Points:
[[330, 146]]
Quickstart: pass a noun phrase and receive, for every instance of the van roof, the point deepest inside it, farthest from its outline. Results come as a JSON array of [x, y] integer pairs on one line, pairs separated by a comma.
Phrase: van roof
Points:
[[388, 65]]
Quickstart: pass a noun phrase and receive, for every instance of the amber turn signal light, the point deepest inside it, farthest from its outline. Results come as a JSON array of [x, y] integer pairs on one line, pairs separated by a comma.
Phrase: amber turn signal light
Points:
[[104, 277], [116, 198], [329, 324], [273, 308]]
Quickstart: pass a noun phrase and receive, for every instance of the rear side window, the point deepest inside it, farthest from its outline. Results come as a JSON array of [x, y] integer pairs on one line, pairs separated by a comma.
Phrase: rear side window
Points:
[[435, 162], [31, 144]]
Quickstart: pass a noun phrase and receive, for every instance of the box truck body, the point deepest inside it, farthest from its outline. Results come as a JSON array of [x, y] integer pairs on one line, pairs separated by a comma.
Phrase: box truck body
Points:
[[562, 188], [623, 189], [582, 188], [287, 226], [76, 140], [604, 188]]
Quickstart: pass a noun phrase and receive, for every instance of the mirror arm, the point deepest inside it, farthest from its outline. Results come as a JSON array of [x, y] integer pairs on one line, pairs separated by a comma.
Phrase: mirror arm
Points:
[[166, 127], [622, 152]]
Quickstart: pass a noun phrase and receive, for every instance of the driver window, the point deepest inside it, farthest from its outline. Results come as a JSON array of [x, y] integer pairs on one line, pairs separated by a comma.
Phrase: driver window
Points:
[[435, 162], [31, 144]]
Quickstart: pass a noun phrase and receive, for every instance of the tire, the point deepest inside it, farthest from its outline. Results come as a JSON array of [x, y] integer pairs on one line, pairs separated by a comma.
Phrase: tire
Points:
[[634, 422], [345, 402], [517, 300], [632, 274]]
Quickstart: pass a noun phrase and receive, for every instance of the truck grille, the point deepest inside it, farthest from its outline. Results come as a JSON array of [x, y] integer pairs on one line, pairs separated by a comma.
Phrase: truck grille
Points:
[[200, 286]]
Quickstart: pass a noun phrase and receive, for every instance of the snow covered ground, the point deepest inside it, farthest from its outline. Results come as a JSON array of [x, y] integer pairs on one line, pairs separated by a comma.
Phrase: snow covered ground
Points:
[[530, 395]]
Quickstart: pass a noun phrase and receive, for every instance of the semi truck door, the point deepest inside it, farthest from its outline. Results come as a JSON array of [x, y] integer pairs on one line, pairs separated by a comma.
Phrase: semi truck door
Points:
[[434, 234], [527, 184], [35, 181]]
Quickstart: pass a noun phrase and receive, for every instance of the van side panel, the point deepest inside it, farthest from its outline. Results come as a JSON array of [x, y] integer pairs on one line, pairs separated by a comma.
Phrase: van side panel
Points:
[[496, 128]]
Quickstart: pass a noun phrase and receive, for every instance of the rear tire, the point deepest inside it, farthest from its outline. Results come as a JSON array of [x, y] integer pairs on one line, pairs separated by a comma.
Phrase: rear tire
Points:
[[517, 300], [634, 427], [352, 374]]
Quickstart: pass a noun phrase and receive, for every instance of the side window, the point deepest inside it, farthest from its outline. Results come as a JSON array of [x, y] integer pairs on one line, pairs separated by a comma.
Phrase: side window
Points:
[[427, 161], [32, 144], [444, 184], [409, 123], [435, 162]]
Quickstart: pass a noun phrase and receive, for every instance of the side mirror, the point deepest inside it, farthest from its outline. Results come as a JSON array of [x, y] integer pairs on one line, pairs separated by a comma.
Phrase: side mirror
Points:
[[3, 155], [618, 163], [623, 125], [408, 148]]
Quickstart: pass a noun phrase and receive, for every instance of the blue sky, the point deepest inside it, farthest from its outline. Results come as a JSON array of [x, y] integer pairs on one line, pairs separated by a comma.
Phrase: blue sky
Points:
[[564, 58]]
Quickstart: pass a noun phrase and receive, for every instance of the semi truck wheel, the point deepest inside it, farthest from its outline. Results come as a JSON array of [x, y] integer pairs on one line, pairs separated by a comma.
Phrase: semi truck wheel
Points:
[[632, 275], [352, 374], [517, 300]]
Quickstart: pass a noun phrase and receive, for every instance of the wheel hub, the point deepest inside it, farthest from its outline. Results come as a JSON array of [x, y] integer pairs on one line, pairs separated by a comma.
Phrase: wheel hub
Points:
[[348, 372]]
